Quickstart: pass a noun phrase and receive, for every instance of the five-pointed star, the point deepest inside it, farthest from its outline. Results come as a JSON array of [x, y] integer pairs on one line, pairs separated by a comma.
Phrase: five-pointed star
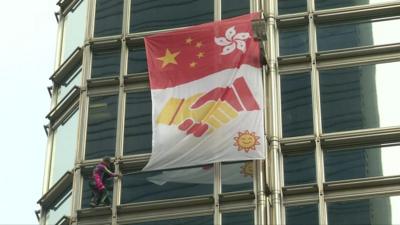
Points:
[[168, 58], [189, 40], [199, 44], [193, 64], [200, 55]]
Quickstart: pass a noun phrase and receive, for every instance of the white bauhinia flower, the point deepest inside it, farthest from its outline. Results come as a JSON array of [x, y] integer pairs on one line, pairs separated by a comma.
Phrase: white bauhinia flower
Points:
[[232, 41]]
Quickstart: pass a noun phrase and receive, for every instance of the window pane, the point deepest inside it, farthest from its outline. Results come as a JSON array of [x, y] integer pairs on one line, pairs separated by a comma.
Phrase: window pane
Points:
[[293, 40], [327, 4], [159, 185], [360, 97], [137, 62], [64, 148], [299, 168], [102, 123], [361, 162], [199, 220], [290, 6], [106, 63], [237, 176], [138, 125], [74, 29], [149, 15], [59, 209], [69, 82], [297, 117], [238, 218], [232, 8], [108, 17], [374, 211], [357, 34], [302, 215]]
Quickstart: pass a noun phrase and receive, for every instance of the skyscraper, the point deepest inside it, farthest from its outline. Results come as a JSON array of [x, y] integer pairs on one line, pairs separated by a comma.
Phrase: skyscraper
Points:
[[331, 117]]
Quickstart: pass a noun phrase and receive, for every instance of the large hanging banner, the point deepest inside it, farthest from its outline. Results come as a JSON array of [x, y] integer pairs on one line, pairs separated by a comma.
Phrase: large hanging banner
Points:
[[206, 89]]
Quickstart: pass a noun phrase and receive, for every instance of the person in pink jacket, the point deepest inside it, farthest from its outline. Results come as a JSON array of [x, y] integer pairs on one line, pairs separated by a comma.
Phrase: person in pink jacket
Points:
[[100, 174]]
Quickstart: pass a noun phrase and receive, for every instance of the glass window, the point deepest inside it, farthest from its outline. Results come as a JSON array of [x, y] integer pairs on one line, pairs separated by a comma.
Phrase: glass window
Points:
[[74, 29], [302, 215], [101, 128], [137, 61], [293, 40], [237, 176], [138, 123], [72, 80], [149, 15], [232, 8], [341, 164], [290, 6], [238, 218], [106, 63], [159, 185], [108, 19], [356, 34], [64, 147], [360, 97], [87, 193], [374, 211], [62, 207], [299, 168], [328, 4], [297, 116], [199, 220]]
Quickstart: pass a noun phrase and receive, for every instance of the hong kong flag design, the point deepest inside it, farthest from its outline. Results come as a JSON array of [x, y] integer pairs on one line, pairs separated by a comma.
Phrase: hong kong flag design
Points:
[[206, 89]]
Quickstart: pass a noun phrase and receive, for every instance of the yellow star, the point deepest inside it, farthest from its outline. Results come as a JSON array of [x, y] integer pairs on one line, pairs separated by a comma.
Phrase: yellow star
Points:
[[199, 44], [189, 40], [193, 64], [168, 58], [200, 55]]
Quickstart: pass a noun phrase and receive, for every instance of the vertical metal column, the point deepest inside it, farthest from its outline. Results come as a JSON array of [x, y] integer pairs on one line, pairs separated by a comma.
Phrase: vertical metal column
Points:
[[273, 129], [316, 108]]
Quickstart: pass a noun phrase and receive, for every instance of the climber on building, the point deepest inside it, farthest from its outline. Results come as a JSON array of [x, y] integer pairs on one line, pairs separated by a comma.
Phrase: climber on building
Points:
[[101, 183]]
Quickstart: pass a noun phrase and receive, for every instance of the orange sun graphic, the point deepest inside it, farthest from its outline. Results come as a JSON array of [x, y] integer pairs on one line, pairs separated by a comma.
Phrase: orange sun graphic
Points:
[[246, 141], [247, 169]]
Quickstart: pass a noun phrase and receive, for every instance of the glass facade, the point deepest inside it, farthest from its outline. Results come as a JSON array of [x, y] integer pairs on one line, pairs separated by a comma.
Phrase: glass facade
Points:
[[331, 117]]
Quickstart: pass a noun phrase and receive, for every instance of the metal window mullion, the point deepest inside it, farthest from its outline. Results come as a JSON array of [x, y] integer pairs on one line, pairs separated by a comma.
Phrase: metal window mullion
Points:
[[217, 192], [319, 158], [217, 10]]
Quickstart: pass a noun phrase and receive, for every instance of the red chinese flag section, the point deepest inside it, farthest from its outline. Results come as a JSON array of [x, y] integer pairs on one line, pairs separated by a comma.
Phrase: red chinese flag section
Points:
[[207, 94]]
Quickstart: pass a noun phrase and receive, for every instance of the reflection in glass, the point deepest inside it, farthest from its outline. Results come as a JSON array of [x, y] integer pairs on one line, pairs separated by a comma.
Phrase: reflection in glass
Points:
[[356, 34], [299, 168], [290, 6], [238, 218], [328, 4], [341, 164], [101, 128], [149, 15], [138, 125], [232, 8], [159, 185], [72, 80], [137, 61], [108, 19], [293, 41], [199, 220], [60, 208], [297, 118], [64, 147], [374, 211], [106, 63], [74, 29], [237, 176], [302, 215], [360, 97]]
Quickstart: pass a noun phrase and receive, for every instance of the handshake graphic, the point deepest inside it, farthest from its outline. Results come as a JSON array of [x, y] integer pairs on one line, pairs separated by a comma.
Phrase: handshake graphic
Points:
[[208, 111]]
